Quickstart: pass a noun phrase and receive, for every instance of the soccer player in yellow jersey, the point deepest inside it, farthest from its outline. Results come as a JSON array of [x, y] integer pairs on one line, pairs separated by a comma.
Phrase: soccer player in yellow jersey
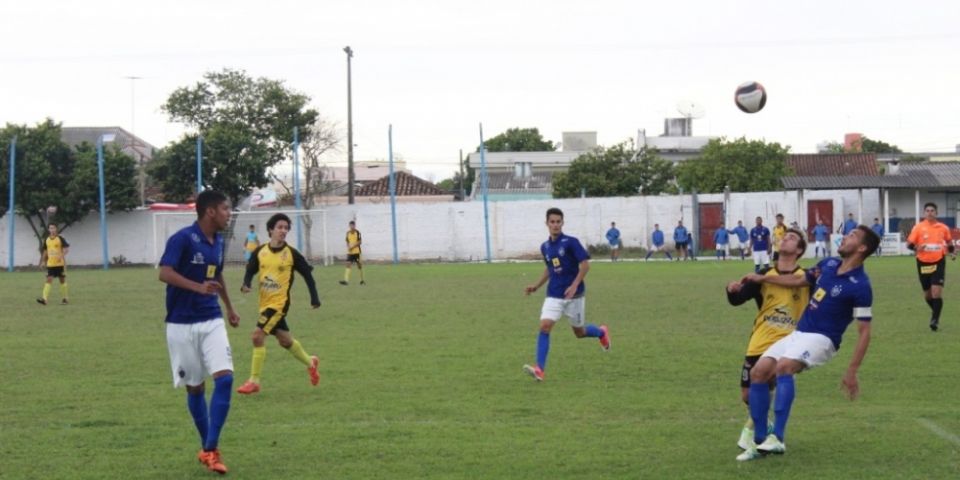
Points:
[[779, 310], [54, 257], [779, 230], [353, 253], [276, 262]]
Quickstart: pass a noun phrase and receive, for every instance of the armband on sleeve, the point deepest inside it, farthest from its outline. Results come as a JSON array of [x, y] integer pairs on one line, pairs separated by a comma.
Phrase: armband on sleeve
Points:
[[911, 246]]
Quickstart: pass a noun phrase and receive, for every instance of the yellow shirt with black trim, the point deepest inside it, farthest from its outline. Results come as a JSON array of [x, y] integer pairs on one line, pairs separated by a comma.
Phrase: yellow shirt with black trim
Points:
[[353, 238], [779, 309], [276, 267], [54, 247], [778, 232]]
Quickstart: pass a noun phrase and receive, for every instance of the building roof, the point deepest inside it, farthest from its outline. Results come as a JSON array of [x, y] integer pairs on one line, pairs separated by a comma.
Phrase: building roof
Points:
[[407, 185], [124, 140], [913, 176], [536, 159], [507, 182], [834, 164]]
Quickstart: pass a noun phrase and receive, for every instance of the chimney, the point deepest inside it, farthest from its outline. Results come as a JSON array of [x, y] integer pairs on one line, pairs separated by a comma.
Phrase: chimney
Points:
[[853, 142], [893, 168]]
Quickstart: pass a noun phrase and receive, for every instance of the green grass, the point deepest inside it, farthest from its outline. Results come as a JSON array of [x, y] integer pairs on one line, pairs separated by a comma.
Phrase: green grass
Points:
[[421, 379]]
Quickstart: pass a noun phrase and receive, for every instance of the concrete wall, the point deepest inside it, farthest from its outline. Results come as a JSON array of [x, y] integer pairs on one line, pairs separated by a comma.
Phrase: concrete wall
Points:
[[451, 231]]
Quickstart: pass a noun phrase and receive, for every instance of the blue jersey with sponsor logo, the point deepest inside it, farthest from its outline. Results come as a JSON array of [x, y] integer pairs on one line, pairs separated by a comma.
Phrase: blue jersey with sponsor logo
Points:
[[835, 300], [563, 257], [759, 238], [191, 255]]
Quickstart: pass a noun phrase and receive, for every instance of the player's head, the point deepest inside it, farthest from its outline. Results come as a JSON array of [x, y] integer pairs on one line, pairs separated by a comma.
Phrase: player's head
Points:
[[213, 206], [759, 221], [656, 226], [850, 215], [554, 220], [739, 223], [792, 241], [930, 210], [722, 223], [780, 218], [861, 241], [613, 224], [253, 228], [679, 223], [52, 229], [277, 226], [876, 220], [819, 221], [353, 225]]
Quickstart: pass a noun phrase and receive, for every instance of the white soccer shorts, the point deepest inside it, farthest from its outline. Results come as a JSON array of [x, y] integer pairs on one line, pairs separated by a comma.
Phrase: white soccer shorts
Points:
[[722, 247], [614, 246], [574, 309], [761, 257], [821, 244], [813, 349], [198, 350]]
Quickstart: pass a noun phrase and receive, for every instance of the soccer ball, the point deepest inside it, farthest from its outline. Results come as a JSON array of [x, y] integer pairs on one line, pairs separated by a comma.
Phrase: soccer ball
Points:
[[751, 97]]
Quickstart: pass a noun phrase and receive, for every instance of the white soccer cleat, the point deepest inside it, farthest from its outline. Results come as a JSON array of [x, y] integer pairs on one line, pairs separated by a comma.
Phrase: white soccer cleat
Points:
[[749, 454], [746, 439], [772, 444]]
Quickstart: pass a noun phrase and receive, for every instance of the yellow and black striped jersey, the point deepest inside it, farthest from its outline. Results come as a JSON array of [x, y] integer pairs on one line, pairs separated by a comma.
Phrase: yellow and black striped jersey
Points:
[[275, 267], [779, 307], [778, 232], [353, 238], [54, 246]]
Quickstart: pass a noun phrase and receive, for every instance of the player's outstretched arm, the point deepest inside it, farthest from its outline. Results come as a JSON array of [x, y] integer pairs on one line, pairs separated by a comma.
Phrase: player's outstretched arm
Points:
[[850, 384]]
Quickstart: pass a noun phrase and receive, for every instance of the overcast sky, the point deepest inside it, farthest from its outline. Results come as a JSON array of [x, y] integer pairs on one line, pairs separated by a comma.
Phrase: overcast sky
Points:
[[437, 69]]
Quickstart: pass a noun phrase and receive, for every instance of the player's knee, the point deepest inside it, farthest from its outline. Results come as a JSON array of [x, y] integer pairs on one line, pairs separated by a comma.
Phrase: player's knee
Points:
[[285, 342], [195, 389]]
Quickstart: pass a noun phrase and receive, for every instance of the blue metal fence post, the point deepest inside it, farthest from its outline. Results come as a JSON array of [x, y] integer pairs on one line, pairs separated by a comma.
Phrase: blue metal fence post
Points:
[[296, 186], [103, 205], [199, 164], [393, 195], [483, 184], [10, 209]]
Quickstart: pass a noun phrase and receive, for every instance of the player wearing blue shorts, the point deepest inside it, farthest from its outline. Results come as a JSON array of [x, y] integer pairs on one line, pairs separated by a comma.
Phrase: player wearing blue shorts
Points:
[[840, 293], [567, 263], [192, 268]]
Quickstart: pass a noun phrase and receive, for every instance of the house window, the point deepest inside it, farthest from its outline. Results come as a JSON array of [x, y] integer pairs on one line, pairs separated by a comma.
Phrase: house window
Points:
[[522, 169]]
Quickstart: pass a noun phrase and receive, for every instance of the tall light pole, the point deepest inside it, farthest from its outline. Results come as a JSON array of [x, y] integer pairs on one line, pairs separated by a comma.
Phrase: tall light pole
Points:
[[133, 132], [10, 209], [106, 137], [350, 178]]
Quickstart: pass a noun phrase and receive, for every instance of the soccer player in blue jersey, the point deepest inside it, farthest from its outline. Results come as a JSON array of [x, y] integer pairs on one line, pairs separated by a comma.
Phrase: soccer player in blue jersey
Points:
[[192, 268], [721, 238], [878, 229], [820, 236], [681, 238], [760, 245], [742, 237], [656, 245], [840, 293], [848, 225], [613, 238], [567, 263]]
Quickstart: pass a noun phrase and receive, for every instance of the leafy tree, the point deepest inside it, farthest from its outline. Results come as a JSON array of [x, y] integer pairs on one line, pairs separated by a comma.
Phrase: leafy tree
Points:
[[743, 165], [513, 140], [247, 127], [620, 170], [867, 145], [49, 174], [833, 147]]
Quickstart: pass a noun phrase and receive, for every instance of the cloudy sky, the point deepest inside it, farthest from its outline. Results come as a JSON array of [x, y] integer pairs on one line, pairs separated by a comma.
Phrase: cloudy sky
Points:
[[437, 69]]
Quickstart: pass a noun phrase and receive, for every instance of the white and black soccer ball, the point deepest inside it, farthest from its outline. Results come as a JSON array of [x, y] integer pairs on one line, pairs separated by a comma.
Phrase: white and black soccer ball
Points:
[[751, 97]]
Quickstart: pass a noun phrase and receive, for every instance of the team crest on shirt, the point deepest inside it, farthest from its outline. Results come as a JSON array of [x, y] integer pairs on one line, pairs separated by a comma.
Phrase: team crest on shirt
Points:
[[561, 251], [195, 238], [836, 290], [198, 259]]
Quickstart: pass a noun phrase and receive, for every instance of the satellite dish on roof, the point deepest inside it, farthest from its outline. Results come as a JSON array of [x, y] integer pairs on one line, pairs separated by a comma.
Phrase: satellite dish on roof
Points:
[[690, 109]]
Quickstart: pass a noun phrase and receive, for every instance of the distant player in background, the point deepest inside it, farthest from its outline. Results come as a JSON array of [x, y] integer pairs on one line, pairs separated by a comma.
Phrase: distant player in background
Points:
[[779, 230], [276, 262], [760, 245], [567, 263], [192, 268], [841, 293], [54, 257], [681, 238], [251, 243], [743, 238], [779, 310], [877, 228], [721, 238], [613, 238], [848, 226], [657, 243], [354, 240], [931, 240], [821, 234]]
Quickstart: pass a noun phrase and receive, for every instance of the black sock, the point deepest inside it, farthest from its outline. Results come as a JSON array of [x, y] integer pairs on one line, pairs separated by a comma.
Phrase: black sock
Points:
[[929, 302], [937, 305]]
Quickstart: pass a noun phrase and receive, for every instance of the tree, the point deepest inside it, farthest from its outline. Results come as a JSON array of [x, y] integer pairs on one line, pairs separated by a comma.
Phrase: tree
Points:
[[513, 140], [49, 174], [743, 165], [247, 127], [867, 145], [620, 170]]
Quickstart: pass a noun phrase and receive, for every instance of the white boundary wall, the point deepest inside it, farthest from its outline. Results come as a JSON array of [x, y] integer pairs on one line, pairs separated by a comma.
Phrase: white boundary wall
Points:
[[454, 231]]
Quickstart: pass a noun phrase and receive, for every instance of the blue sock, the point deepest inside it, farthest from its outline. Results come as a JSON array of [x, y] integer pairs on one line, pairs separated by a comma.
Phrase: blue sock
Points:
[[594, 331], [759, 406], [543, 347], [781, 406], [219, 407], [197, 405]]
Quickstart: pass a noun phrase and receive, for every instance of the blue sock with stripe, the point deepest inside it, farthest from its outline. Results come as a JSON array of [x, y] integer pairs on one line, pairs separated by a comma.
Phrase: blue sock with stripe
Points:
[[219, 407], [781, 406], [594, 331], [543, 348], [759, 406], [197, 404]]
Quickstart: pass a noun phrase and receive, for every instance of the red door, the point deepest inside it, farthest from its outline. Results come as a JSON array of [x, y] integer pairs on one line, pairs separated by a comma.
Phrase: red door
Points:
[[711, 216], [819, 209]]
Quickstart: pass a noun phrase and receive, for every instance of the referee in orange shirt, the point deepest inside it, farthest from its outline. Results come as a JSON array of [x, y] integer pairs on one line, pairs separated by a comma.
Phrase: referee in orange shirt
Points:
[[931, 240]]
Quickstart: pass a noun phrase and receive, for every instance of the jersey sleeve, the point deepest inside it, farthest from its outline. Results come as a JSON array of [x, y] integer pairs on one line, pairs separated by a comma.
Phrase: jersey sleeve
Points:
[[750, 290], [863, 303], [65, 244], [173, 251], [253, 266], [302, 266], [914, 234], [579, 252]]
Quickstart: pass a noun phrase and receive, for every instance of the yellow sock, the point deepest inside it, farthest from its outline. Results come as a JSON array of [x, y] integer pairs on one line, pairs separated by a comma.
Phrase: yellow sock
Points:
[[63, 290], [346, 275], [46, 291], [259, 356], [299, 353]]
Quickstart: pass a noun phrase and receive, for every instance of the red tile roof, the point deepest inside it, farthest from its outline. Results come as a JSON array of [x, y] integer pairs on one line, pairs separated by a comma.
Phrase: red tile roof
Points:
[[407, 185], [833, 164]]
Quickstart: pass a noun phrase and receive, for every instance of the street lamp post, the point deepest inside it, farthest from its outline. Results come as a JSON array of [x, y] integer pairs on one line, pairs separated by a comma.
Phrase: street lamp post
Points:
[[350, 178], [106, 137]]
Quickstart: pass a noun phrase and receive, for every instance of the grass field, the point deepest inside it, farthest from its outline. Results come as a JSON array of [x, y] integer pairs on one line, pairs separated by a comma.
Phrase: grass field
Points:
[[422, 379]]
